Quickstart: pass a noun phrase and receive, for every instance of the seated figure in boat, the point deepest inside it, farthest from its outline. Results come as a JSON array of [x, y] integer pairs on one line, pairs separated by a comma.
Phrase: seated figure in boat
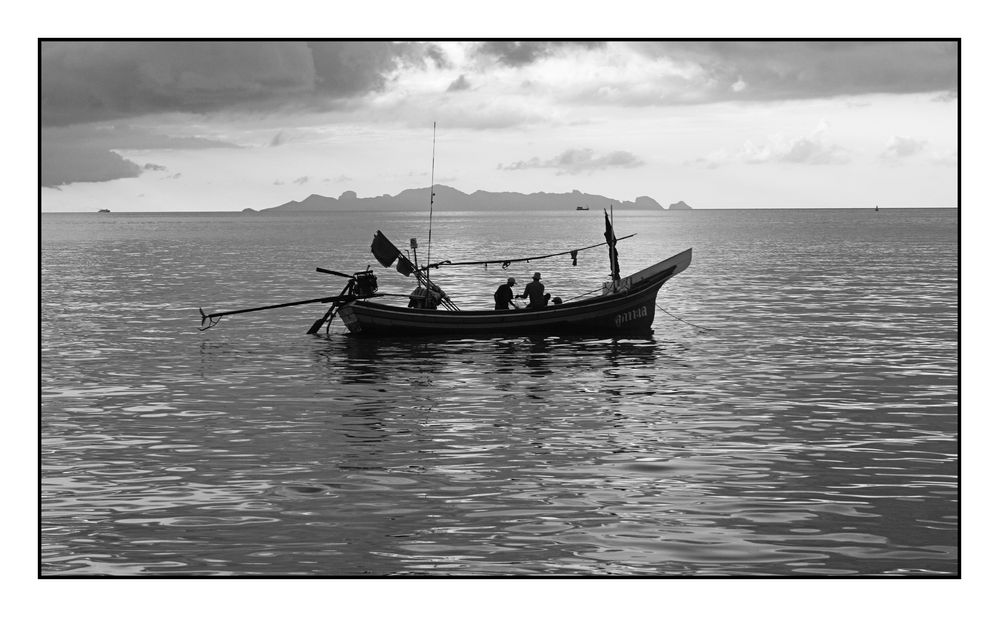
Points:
[[535, 290], [424, 298], [504, 295]]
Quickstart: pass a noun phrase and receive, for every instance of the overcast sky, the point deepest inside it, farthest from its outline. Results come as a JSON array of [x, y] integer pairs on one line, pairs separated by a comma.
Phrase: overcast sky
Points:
[[160, 126]]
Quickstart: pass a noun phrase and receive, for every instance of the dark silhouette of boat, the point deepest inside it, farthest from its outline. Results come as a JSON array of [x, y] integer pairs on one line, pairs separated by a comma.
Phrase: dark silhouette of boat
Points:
[[103, 211], [629, 308], [627, 305], [582, 207]]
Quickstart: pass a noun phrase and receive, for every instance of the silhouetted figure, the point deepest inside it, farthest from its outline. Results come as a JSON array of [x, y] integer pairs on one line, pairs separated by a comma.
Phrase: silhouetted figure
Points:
[[535, 290], [504, 295]]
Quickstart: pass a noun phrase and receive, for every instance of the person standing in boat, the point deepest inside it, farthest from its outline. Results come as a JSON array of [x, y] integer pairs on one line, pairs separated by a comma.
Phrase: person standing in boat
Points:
[[504, 295], [535, 290]]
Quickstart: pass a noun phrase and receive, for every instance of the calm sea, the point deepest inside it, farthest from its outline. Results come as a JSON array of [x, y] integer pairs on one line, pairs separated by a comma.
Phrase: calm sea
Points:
[[801, 421]]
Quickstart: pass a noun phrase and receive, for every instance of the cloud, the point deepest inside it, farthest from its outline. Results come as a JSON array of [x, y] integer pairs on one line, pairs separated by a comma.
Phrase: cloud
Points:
[[128, 137], [67, 165], [902, 147], [351, 68], [87, 153], [809, 150], [520, 53], [301, 180], [87, 81], [947, 158], [705, 71], [945, 97], [459, 84], [575, 161]]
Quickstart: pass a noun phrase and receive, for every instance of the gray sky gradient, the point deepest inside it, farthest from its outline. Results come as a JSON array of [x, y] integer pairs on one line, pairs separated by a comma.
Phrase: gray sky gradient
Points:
[[108, 107]]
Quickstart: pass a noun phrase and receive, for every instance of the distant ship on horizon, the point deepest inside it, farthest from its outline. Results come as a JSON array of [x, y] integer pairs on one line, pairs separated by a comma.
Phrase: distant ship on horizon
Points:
[[103, 211], [582, 207]]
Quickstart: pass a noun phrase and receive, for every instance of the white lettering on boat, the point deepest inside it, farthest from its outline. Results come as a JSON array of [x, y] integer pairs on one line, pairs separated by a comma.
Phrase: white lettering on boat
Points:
[[625, 317]]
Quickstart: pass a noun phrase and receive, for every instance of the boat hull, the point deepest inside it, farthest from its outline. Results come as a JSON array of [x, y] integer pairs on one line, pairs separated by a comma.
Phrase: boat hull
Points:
[[630, 310]]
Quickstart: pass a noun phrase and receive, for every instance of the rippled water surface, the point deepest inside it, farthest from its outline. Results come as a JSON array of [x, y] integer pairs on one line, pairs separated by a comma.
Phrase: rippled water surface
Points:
[[807, 428]]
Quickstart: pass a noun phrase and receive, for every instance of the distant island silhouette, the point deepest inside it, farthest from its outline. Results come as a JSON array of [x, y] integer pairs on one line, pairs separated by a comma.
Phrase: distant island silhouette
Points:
[[680, 205], [451, 199]]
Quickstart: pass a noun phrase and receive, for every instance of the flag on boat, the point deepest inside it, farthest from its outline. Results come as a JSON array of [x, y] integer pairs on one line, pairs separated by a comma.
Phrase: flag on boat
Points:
[[383, 250]]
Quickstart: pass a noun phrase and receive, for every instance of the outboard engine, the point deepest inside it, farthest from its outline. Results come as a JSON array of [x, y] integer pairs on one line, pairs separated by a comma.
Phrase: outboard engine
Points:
[[365, 283]]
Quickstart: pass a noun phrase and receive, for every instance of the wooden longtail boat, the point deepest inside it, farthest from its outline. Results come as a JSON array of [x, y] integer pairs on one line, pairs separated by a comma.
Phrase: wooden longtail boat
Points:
[[630, 308], [627, 305]]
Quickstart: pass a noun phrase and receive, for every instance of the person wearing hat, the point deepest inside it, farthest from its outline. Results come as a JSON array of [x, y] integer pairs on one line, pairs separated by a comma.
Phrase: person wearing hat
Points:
[[535, 290], [504, 295]]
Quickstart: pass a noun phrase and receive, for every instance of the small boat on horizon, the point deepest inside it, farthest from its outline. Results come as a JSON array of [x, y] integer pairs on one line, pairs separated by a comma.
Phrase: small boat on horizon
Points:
[[582, 207], [103, 211]]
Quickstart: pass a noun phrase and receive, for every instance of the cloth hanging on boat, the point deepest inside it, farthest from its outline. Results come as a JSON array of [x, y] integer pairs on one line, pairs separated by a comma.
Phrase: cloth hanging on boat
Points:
[[404, 267], [383, 250]]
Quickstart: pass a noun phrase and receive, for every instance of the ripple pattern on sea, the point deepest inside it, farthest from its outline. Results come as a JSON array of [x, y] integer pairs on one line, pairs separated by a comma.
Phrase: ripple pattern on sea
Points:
[[807, 429]]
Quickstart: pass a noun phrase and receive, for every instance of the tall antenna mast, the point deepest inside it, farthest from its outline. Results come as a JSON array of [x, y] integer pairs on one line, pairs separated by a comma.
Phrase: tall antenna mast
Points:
[[430, 228]]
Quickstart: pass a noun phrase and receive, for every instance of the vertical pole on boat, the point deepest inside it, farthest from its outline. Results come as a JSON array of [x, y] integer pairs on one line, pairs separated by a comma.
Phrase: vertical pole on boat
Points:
[[430, 227], [416, 262], [611, 245]]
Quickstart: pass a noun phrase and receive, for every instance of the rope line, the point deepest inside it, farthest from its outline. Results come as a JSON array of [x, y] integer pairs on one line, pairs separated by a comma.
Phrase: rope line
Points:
[[584, 294], [683, 320], [507, 262]]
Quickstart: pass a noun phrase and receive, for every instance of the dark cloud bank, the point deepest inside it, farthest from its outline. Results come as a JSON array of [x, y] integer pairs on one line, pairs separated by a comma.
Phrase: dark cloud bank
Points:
[[95, 81], [85, 82]]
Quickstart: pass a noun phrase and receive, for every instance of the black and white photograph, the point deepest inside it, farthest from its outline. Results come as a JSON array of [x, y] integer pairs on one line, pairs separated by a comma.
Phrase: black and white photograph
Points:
[[433, 307]]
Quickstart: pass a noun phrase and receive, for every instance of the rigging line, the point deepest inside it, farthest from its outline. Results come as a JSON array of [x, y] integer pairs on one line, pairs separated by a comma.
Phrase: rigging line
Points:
[[430, 227], [684, 320], [584, 294], [510, 261]]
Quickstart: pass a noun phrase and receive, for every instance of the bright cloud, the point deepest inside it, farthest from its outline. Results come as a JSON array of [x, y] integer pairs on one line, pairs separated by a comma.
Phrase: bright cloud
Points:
[[903, 147], [813, 149], [576, 161]]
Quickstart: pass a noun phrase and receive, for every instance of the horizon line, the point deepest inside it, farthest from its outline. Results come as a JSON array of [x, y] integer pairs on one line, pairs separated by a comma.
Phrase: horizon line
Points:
[[299, 212]]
